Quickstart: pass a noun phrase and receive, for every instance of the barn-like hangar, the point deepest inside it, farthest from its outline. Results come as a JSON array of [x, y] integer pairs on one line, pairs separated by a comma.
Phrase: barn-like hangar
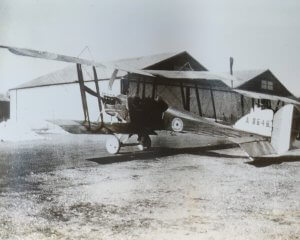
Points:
[[57, 95]]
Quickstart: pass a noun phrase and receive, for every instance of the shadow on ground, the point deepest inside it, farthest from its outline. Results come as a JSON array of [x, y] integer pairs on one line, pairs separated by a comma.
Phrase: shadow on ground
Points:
[[267, 161], [165, 152]]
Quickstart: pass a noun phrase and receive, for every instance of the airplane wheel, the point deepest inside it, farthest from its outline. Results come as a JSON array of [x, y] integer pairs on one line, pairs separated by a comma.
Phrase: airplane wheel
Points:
[[113, 145], [145, 143]]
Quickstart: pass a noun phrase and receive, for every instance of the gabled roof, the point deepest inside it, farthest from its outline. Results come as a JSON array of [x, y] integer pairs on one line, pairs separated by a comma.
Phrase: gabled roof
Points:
[[145, 61], [163, 64], [69, 74], [245, 76], [242, 77]]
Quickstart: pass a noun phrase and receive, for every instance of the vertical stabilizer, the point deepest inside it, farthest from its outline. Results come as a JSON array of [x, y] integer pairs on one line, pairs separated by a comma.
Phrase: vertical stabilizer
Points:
[[282, 129]]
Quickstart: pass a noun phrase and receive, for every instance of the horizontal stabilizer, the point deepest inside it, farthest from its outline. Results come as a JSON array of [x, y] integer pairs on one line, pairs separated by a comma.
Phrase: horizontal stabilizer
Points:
[[258, 148]]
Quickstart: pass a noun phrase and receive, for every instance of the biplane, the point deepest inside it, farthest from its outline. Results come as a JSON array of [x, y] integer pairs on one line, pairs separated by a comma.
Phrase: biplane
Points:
[[261, 132]]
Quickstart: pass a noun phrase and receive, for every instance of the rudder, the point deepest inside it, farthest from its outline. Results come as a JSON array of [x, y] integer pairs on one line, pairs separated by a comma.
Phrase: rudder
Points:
[[282, 129]]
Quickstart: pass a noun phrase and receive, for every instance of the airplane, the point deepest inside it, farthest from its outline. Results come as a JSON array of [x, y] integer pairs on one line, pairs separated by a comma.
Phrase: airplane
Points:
[[144, 117]]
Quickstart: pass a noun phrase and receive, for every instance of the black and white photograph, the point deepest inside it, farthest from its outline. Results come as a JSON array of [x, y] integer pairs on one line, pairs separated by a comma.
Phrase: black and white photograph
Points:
[[148, 119]]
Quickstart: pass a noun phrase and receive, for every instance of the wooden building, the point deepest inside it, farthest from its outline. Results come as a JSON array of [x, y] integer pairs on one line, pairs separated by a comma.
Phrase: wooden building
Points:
[[260, 84], [261, 81], [207, 98]]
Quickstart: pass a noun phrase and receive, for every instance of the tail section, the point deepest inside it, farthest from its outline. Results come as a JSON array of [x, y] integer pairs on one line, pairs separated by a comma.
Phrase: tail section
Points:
[[282, 129], [285, 124]]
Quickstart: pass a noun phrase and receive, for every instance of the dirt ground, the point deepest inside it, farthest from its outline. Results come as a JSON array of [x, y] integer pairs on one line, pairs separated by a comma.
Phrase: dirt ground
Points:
[[68, 187]]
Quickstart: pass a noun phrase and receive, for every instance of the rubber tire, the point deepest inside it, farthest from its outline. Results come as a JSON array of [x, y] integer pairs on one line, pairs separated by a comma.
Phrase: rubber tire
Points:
[[112, 144], [145, 143]]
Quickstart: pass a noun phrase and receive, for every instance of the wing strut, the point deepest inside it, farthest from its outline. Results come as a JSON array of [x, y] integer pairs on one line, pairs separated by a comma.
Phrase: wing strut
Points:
[[182, 95], [83, 90], [98, 94], [83, 95], [213, 103], [198, 99]]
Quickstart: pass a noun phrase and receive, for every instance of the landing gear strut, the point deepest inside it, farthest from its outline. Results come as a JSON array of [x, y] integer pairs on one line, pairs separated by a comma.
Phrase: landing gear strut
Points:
[[114, 143], [144, 142]]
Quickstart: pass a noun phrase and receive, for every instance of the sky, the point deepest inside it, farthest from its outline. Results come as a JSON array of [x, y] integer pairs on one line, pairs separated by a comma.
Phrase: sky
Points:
[[258, 34]]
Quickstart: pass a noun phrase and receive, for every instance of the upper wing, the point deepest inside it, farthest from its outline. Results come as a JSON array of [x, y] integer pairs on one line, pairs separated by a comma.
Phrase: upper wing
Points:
[[193, 75], [63, 58], [258, 95]]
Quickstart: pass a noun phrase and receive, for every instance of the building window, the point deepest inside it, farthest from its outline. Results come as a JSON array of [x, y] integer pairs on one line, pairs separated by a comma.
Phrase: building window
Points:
[[268, 85]]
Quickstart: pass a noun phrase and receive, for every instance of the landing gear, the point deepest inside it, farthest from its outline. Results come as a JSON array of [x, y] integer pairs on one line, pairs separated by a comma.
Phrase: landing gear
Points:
[[113, 144], [144, 142]]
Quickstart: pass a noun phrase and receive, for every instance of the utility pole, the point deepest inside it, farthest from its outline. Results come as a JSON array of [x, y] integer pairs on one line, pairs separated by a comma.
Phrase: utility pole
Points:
[[231, 66]]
